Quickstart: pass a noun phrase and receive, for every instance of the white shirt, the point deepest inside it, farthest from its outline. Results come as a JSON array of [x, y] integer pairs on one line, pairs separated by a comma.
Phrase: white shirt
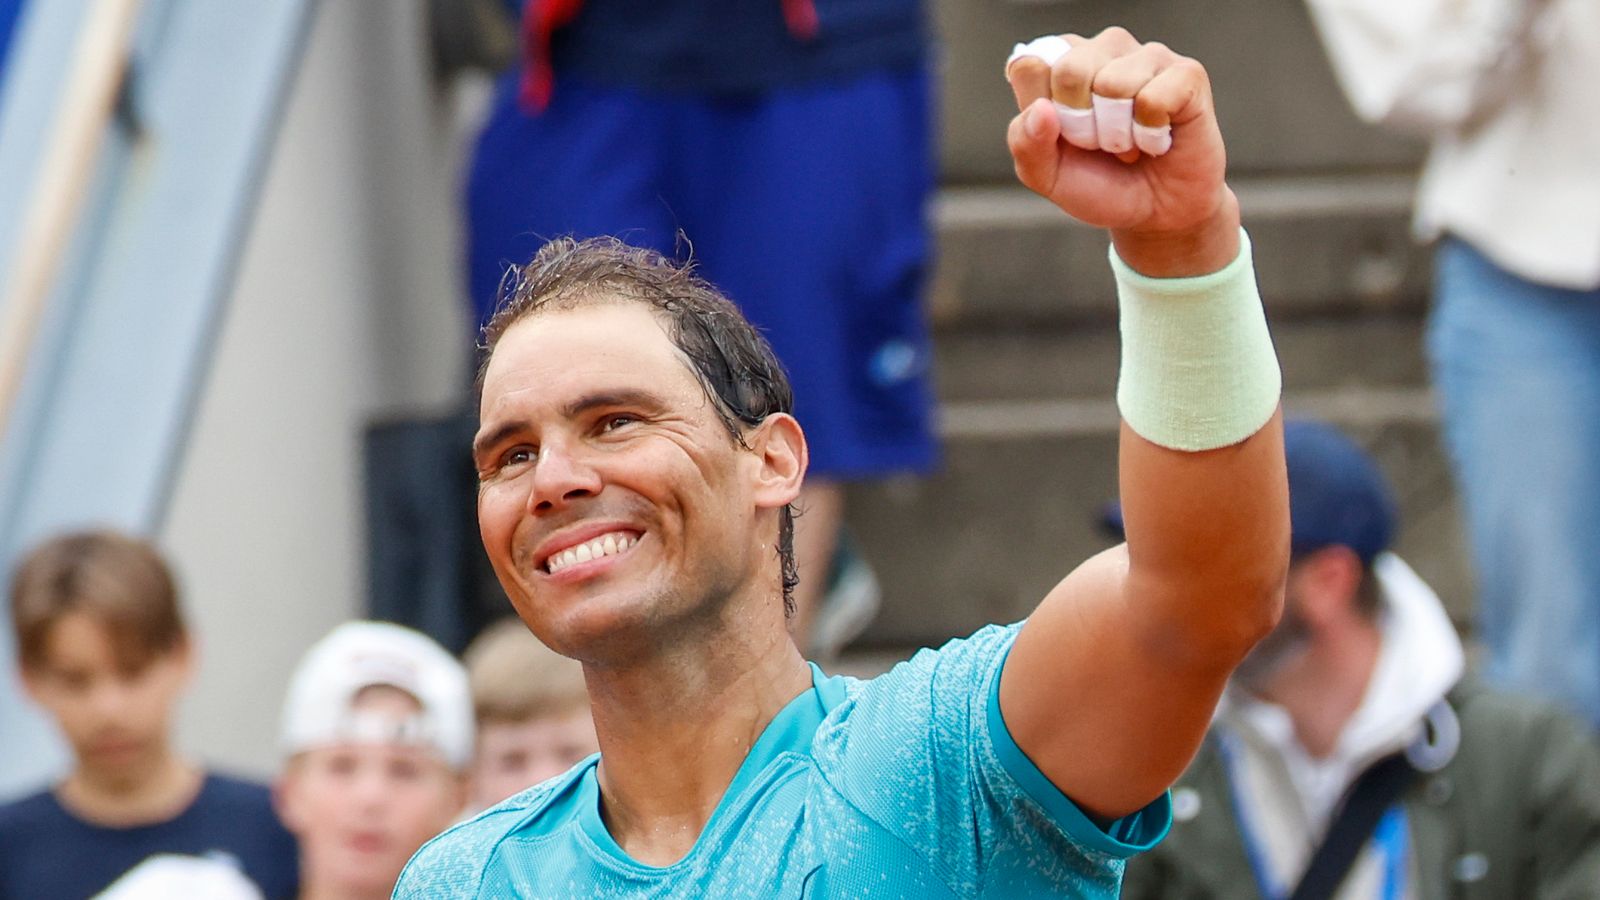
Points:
[[1508, 92]]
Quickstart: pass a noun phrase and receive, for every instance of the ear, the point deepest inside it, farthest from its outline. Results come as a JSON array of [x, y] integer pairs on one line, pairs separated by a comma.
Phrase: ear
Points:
[[1326, 583], [186, 655], [780, 449]]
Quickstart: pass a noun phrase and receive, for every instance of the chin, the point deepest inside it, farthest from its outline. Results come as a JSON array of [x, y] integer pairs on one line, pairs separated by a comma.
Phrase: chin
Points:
[[612, 626]]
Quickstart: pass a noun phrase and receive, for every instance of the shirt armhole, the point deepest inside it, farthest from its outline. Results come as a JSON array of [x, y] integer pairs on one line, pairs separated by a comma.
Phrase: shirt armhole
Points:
[[1131, 834]]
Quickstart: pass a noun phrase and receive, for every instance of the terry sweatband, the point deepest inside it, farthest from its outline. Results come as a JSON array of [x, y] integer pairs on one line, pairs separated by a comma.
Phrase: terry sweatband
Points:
[[1198, 367]]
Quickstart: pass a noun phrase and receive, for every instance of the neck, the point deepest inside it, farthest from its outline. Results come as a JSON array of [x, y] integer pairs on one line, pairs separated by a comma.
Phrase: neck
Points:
[[1322, 689], [694, 712], [153, 790]]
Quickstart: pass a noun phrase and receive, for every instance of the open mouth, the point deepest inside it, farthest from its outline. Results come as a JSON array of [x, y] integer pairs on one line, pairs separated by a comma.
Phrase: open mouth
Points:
[[611, 543]]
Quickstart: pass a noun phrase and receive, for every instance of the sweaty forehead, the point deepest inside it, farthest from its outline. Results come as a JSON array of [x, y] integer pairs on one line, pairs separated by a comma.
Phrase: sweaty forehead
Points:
[[556, 357], [586, 342]]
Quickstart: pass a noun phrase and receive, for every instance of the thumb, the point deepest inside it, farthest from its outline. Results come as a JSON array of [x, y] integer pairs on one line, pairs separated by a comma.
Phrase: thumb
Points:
[[1032, 139]]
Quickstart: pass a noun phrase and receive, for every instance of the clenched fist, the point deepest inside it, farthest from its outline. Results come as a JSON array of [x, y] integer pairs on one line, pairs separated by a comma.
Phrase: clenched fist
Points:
[[1170, 214]]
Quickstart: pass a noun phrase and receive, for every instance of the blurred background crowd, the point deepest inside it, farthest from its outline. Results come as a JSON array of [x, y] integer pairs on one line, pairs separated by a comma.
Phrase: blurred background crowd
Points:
[[245, 249]]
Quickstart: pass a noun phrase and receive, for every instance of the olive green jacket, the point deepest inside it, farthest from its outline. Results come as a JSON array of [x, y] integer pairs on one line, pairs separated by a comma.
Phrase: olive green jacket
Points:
[[1515, 814]]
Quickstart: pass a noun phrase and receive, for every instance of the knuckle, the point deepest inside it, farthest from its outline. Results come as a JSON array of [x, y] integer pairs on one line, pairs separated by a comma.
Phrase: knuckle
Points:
[[1027, 67], [1192, 67], [1074, 71], [1115, 80]]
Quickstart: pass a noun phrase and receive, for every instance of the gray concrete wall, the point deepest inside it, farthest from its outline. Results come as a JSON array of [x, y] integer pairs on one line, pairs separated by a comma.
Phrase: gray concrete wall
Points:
[[346, 308]]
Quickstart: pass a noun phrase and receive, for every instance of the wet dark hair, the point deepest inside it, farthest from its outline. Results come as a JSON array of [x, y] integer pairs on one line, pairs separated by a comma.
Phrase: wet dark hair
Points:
[[732, 361]]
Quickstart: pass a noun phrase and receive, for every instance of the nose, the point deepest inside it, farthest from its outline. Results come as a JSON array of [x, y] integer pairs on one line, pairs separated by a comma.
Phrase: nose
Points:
[[110, 699], [561, 475], [372, 788]]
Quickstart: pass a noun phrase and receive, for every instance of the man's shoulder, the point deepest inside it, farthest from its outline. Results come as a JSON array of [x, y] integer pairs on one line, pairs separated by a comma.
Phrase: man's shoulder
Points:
[[957, 657], [29, 812], [453, 863], [241, 804]]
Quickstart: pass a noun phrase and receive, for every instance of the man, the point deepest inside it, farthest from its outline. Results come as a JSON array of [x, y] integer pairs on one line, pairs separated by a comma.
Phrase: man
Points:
[[532, 713], [105, 651], [377, 727], [1511, 193], [637, 461], [1499, 796]]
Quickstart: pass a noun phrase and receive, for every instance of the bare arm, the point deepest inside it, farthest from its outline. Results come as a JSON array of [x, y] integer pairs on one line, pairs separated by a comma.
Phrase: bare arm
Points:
[[1113, 680]]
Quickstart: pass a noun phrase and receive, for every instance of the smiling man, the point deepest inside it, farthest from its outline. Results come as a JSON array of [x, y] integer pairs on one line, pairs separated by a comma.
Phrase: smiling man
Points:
[[638, 460]]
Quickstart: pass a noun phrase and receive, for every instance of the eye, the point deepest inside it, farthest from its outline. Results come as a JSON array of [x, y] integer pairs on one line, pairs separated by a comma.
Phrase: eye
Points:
[[341, 763], [517, 456], [404, 769], [617, 420]]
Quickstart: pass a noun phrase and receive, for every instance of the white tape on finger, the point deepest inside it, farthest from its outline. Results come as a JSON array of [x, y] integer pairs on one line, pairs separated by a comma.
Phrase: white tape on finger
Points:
[[1077, 126], [1152, 139], [1113, 120], [1049, 48]]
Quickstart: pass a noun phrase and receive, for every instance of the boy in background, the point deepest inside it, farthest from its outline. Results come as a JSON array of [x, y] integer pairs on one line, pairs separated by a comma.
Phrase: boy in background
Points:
[[532, 711], [104, 650], [377, 728]]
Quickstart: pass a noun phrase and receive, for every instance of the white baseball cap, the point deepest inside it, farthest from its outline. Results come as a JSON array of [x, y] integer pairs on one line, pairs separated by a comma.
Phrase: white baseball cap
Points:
[[356, 655], [166, 875]]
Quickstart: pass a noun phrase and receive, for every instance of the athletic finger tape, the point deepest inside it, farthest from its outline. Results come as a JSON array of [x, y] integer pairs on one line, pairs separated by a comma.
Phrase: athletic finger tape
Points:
[[1049, 48], [1077, 126], [1153, 140], [1198, 368], [1113, 119]]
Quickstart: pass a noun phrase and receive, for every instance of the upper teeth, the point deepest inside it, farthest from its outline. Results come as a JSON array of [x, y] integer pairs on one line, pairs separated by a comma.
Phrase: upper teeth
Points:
[[605, 545]]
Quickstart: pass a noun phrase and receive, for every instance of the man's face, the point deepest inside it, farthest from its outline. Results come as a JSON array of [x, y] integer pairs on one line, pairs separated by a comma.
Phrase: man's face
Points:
[[614, 505], [512, 756], [360, 810], [116, 718]]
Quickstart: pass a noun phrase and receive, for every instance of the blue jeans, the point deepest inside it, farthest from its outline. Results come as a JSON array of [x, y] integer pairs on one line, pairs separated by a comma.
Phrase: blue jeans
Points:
[[1517, 365]]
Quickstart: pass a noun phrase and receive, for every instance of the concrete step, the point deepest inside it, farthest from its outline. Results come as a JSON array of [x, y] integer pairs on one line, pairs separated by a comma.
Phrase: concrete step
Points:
[[1029, 427], [1324, 244], [982, 372], [1024, 315]]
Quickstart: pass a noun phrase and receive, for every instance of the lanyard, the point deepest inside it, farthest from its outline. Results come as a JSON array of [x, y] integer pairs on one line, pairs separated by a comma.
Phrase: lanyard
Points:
[[1389, 836]]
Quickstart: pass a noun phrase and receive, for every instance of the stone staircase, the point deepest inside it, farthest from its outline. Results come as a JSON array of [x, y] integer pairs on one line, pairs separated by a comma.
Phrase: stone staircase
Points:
[[1025, 330]]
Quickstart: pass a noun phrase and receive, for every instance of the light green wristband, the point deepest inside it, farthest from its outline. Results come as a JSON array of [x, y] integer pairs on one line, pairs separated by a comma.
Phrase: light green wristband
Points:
[[1198, 367]]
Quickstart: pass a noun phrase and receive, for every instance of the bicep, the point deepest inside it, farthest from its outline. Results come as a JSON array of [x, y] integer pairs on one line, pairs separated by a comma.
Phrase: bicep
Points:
[[1110, 706]]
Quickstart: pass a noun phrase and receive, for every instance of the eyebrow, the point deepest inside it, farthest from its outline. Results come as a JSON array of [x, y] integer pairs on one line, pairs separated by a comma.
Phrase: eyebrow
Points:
[[628, 397]]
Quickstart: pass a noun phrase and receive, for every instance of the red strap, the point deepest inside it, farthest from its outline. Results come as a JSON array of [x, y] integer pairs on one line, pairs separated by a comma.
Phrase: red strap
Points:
[[540, 19], [801, 17]]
